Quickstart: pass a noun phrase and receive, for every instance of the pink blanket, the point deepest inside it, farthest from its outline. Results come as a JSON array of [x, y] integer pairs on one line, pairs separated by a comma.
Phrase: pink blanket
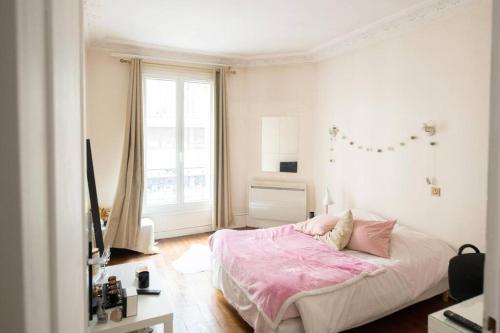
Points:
[[276, 266]]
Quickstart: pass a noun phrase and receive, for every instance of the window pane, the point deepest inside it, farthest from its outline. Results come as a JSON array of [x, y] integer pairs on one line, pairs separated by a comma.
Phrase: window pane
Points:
[[197, 148], [160, 137]]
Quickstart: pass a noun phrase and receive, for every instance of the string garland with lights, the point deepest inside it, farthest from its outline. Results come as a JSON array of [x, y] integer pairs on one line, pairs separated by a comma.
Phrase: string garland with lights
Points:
[[335, 133]]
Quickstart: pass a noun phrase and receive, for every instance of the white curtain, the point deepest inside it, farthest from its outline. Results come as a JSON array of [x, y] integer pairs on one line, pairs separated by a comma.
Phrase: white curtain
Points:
[[125, 218], [222, 213]]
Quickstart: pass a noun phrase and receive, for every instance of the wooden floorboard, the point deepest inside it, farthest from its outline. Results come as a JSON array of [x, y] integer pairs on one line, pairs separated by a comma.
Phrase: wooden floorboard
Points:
[[198, 307]]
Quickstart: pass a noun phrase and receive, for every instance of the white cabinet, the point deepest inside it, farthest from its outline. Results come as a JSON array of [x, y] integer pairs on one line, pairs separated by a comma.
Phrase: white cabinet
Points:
[[471, 309]]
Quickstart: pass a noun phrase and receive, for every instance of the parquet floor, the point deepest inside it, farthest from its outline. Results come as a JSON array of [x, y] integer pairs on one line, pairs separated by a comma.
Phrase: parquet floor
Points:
[[198, 307]]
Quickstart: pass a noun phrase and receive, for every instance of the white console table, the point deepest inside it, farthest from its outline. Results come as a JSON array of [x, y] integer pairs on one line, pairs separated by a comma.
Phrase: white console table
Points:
[[471, 309], [151, 310]]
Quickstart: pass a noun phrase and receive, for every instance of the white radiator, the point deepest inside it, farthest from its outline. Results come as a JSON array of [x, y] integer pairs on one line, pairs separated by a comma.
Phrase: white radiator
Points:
[[277, 201]]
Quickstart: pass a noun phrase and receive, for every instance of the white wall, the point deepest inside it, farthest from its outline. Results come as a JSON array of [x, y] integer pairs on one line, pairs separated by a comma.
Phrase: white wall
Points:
[[106, 97], [384, 92], [378, 94], [269, 91], [285, 90]]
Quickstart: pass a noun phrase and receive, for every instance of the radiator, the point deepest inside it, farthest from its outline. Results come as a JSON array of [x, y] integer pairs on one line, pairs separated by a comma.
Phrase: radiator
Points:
[[277, 201]]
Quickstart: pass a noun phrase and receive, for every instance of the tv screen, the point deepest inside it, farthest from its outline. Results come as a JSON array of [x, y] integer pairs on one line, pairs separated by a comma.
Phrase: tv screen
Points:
[[94, 205]]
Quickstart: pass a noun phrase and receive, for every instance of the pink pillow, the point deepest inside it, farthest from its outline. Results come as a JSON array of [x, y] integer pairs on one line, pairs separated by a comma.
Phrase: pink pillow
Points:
[[318, 225], [373, 237]]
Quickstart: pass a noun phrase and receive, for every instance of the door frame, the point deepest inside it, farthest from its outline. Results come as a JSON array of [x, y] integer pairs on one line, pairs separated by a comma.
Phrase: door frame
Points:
[[492, 268], [43, 239]]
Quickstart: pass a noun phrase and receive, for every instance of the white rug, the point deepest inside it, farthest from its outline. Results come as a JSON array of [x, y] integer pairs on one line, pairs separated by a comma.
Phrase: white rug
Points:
[[194, 260]]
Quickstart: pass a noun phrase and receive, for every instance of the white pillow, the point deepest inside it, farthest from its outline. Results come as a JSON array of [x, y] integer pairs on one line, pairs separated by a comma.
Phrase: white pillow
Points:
[[339, 236]]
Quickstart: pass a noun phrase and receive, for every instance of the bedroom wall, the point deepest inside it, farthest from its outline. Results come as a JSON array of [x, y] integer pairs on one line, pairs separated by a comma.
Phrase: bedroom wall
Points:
[[106, 101], [253, 93], [106, 97], [384, 92], [268, 91], [379, 93]]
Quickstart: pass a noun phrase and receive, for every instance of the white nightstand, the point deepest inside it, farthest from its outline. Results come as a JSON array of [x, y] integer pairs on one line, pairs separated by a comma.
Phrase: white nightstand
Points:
[[471, 309]]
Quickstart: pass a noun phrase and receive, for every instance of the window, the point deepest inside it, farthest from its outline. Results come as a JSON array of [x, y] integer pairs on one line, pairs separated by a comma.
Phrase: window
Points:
[[178, 149]]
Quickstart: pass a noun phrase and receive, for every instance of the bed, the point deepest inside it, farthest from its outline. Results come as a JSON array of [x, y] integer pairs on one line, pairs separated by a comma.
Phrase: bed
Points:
[[416, 270]]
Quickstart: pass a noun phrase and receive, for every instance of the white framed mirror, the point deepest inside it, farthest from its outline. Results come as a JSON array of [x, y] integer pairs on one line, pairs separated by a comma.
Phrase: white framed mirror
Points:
[[280, 144]]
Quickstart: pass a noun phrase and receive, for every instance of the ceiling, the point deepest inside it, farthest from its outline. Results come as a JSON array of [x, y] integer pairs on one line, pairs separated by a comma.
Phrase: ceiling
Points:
[[237, 28]]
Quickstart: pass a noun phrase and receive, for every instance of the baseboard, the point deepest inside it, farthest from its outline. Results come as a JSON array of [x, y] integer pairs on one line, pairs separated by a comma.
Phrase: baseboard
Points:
[[182, 232], [239, 221]]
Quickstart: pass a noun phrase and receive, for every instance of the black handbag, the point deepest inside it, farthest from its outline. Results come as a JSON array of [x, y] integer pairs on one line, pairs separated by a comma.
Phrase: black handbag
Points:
[[466, 274]]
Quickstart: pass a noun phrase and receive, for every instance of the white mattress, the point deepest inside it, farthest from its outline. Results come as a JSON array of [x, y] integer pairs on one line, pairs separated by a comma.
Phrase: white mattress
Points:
[[416, 270]]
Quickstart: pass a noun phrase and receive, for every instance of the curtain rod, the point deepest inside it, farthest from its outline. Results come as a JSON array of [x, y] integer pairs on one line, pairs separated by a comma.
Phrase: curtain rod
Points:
[[164, 62]]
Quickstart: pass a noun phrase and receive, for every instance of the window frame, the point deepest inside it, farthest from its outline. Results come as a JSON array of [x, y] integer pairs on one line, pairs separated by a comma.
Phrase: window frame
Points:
[[179, 77]]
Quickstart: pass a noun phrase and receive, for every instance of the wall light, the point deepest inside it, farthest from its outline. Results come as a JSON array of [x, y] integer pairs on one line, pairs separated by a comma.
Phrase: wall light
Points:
[[429, 128], [327, 201]]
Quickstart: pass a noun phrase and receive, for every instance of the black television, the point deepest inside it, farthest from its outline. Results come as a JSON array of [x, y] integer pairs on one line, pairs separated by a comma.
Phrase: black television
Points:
[[96, 223], [94, 204]]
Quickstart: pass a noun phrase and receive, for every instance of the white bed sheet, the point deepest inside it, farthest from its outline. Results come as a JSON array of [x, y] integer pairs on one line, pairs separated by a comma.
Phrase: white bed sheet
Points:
[[417, 270]]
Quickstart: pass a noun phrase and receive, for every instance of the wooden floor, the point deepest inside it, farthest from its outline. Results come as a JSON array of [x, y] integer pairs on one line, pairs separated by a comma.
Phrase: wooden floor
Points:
[[198, 307]]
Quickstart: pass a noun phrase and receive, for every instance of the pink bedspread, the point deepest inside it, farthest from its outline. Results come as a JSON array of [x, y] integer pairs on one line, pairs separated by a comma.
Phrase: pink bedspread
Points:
[[276, 266]]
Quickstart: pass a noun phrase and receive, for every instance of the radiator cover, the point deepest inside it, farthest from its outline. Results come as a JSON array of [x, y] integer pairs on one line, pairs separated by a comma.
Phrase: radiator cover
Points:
[[278, 201]]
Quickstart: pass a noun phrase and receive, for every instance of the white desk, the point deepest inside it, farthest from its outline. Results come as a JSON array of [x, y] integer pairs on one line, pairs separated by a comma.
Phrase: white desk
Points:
[[471, 309], [151, 310]]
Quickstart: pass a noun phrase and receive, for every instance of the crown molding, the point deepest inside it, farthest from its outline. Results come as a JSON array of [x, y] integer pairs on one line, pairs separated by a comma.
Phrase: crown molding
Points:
[[405, 21], [389, 27]]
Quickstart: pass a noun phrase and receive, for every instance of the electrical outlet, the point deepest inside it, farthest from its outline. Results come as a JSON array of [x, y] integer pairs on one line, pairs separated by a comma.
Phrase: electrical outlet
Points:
[[435, 191]]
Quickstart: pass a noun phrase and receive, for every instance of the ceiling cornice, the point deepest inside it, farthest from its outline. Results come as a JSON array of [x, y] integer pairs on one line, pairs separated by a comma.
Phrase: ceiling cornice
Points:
[[389, 27], [392, 26]]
